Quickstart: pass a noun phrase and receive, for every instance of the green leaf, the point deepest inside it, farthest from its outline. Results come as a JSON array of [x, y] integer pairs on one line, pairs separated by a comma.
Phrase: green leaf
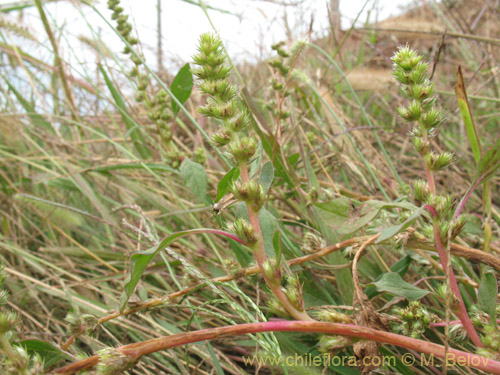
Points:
[[369, 211], [182, 85], [337, 206], [392, 231], [277, 246], [311, 176], [225, 183], [343, 276], [269, 226], [195, 177], [50, 354], [463, 104], [487, 292], [334, 213], [152, 166], [139, 262], [273, 152], [392, 282], [489, 163], [267, 176], [401, 266], [293, 159]]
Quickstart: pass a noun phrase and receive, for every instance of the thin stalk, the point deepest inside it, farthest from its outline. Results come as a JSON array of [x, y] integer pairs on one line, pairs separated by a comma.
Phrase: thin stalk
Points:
[[458, 250], [462, 311], [58, 61], [135, 351], [448, 270], [261, 257], [444, 253]]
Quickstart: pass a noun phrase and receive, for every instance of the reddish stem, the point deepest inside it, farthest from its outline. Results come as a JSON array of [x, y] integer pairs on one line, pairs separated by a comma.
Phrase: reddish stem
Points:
[[452, 356], [430, 179], [443, 256], [462, 313], [261, 257]]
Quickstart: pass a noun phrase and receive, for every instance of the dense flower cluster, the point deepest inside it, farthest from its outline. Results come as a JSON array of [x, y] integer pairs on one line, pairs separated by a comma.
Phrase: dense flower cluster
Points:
[[411, 72]]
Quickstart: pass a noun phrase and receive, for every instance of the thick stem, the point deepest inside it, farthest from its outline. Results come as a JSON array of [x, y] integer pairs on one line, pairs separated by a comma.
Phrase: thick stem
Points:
[[458, 250], [462, 313], [448, 270], [137, 350], [261, 257]]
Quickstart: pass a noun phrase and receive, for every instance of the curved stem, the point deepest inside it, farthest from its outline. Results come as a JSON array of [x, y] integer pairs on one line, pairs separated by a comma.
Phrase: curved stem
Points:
[[458, 250], [135, 351], [462, 313], [261, 257]]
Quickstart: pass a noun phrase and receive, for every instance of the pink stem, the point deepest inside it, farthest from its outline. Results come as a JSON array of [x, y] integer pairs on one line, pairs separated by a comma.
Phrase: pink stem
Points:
[[464, 200], [430, 179], [261, 257], [450, 355], [462, 313], [225, 234]]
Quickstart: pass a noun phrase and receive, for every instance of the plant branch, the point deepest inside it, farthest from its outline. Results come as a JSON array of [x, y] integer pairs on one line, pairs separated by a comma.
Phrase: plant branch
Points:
[[458, 250], [462, 313], [135, 351], [261, 258]]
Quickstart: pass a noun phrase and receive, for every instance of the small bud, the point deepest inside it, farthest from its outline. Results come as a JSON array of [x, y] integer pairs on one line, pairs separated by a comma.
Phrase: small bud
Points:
[[243, 149], [276, 85], [134, 72], [244, 230], [218, 109], [221, 138], [272, 272], [419, 91], [457, 225], [292, 295], [222, 88], [278, 45], [8, 320], [421, 146], [136, 60], [167, 114], [333, 316], [312, 242], [429, 103], [421, 191], [283, 115], [412, 113], [276, 63], [122, 18], [251, 192], [239, 122], [328, 344], [231, 266], [112, 362], [437, 162], [282, 53], [139, 97], [277, 308], [431, 119]]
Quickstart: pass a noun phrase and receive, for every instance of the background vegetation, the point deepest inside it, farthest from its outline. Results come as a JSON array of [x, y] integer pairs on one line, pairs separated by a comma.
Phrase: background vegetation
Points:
[[99, 167]]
